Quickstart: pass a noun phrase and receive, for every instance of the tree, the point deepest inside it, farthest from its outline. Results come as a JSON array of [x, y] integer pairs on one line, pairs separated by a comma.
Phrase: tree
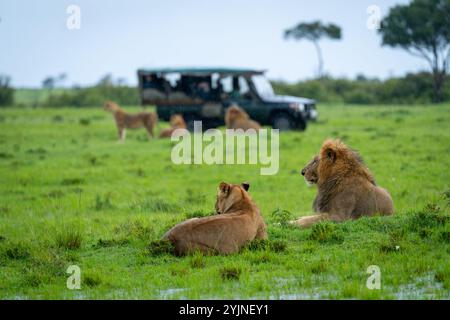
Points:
[[62, 77], [53, 82], [423, 29], [48, 83], [314, 31], [6, 91], [106, 81]]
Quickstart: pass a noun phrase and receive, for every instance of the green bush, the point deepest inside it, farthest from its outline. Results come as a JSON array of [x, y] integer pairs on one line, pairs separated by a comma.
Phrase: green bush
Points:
[[93, 96], [326, 232], [159, 247], [413, 88], [6, 92]]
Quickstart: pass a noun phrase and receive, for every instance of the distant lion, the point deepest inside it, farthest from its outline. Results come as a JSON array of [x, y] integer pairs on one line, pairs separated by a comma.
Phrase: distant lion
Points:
[[238, 221], [176, 122], [237, 118], [125, 120], [346, 188]]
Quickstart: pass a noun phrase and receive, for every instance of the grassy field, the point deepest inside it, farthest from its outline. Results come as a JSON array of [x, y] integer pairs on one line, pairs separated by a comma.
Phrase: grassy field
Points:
[[72, 195]]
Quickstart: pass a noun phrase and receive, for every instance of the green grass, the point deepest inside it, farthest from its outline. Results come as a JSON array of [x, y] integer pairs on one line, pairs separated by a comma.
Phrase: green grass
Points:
[[70, 194]]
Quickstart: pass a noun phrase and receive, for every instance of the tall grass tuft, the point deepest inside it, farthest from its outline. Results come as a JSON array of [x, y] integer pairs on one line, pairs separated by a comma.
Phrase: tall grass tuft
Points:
[[159, 247], [282, 217], [70, 238], [197, 260], [325, 232], [230, 272]]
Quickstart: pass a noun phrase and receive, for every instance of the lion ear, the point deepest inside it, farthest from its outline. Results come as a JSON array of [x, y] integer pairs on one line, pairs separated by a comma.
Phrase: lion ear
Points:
[[245, 185], [330, 154], [224, 187]]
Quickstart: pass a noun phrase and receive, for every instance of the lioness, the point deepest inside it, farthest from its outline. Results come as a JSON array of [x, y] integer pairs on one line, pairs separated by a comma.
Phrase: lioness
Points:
[[238, 222], [176, 122], [346, 188], [125, 120], [236, 118]]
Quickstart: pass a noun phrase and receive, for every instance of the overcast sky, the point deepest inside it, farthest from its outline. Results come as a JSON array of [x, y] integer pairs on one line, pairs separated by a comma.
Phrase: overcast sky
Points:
[[118, 37]]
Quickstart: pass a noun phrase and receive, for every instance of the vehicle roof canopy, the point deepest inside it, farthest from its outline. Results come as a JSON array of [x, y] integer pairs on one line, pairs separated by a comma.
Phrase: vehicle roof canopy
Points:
[[201, 71]]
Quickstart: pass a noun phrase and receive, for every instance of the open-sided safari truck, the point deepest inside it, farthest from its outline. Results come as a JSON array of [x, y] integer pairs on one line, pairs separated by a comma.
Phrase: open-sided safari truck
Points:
[[205, 94]]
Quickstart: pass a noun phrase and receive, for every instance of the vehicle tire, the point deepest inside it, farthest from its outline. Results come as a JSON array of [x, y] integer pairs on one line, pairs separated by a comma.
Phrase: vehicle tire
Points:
[[283, 122], [301, 124]]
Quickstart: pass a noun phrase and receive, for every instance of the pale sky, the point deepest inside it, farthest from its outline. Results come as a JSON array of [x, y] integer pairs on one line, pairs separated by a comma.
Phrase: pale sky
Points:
[[118, 37]]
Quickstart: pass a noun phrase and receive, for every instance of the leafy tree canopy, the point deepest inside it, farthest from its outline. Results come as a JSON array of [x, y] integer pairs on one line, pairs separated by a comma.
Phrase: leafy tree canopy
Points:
[[423, 29], [314, 31]]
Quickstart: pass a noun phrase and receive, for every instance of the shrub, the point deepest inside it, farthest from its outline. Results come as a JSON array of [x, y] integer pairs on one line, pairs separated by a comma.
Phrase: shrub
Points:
[[427, 219], [92, 279], [412, 88], [16, 251], [6, 91], [325, 232], [93, 96], [282, 217], [160, 247]]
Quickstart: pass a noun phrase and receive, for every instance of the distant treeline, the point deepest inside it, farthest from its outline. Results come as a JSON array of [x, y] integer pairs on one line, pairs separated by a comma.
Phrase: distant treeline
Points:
[[414, 88], [93, 96], [411, 89]]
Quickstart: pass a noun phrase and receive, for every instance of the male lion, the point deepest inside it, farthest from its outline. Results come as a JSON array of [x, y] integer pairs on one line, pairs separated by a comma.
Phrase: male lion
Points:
[[125, 120], [346, 188], [309, 172], [238, 222], [236, 118], [176, 122]]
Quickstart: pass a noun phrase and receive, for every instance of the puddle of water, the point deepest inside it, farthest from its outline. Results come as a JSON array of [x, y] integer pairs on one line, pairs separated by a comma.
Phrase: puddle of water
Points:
[[313, 293], [168, 293], [422, 288], [16, 298]]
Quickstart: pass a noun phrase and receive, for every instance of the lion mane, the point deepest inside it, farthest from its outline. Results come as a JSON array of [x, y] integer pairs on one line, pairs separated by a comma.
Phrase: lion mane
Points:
[[346, 187]]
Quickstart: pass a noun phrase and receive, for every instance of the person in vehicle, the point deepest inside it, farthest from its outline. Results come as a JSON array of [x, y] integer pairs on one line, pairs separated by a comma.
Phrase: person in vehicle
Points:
[[153, 88]]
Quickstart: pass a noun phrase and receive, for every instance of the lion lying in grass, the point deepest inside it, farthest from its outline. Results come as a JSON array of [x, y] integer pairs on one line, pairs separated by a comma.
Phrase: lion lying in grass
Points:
[[176, 122], [238, 222], [237, 118], [346, 188], [125, 120]]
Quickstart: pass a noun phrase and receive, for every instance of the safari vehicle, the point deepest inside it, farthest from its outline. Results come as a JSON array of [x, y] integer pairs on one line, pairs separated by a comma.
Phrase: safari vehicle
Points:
[[205, 94]]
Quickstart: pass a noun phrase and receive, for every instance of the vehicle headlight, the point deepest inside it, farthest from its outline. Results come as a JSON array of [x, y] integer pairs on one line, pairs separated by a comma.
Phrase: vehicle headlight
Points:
[[297, 107]]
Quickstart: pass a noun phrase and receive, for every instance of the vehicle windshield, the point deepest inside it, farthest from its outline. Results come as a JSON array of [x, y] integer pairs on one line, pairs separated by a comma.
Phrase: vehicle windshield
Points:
[[262, 86]]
